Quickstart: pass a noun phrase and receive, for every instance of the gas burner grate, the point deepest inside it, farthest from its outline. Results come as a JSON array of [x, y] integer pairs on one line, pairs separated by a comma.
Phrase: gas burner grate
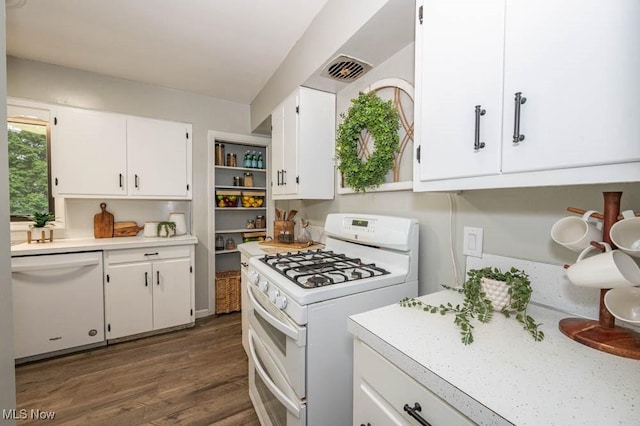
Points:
[[311, 269]]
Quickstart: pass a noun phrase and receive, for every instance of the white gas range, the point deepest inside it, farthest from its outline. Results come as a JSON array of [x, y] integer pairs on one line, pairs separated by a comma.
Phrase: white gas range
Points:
[[300, 353]]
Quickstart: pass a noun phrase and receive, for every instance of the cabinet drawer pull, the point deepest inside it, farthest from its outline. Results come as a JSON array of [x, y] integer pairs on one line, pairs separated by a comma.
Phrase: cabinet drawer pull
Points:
[[120, 180], [479, 112], [158, 277], [244, 264], [413, 412], [151, 254], [146, 279], [519, 100], [137, 181]]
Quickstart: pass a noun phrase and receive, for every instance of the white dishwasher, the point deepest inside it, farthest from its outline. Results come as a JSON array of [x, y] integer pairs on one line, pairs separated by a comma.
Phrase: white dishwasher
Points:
[[58, 302]]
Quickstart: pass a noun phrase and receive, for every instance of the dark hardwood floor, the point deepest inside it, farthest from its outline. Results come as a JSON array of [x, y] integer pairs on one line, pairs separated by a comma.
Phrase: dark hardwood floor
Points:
[[196, 376]]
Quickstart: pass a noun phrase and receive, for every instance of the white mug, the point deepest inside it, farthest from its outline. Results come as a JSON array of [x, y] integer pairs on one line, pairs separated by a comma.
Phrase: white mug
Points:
[[576, 233], [150, 229], [626, 233], [610, 269]]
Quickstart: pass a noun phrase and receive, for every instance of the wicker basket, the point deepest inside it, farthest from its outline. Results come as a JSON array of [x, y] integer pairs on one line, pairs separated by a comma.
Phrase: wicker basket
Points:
[[227, 292]]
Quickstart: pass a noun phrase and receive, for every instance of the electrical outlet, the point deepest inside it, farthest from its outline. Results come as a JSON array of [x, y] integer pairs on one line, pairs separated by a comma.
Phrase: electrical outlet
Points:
[[472, 243]]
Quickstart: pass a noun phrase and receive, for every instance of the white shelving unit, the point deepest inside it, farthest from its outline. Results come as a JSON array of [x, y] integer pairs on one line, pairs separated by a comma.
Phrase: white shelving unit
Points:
[[230, 222]]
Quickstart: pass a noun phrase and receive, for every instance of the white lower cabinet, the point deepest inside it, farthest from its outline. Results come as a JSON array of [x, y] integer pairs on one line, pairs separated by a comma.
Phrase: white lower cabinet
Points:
[[148, 289], [382, 393]]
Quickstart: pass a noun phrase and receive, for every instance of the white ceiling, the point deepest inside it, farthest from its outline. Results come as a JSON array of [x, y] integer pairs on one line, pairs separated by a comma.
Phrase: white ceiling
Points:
[[225, 49]]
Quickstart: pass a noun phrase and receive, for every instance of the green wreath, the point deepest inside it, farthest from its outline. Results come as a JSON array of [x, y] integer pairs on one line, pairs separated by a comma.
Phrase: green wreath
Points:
[[380, 118]]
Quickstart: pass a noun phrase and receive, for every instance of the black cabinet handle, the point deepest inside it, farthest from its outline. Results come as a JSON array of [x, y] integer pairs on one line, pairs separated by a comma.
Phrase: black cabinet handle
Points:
[[278, 178], [413, 412], [244, 264], [137, 181], [146, 279], [519, 100], [362, 424], [479, 112], [284, 177], [151, 254], [158, 277], [120, 180]]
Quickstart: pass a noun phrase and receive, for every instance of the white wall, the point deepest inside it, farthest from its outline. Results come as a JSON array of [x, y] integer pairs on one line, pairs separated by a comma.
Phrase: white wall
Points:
[[65, 86], [516, 222], [7, 370]]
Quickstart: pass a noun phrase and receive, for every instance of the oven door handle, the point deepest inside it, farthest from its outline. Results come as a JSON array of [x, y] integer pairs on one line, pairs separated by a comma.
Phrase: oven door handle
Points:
[[275, 322], [290, 405]]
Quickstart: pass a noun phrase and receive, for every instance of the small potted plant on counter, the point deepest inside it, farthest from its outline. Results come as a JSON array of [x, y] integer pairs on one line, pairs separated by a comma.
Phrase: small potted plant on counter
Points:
[[166, 229], [488, 290], [41, 229]]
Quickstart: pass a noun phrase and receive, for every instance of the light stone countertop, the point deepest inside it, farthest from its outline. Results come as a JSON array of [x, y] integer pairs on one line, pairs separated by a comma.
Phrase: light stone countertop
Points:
[[504, 376], [73, 245]]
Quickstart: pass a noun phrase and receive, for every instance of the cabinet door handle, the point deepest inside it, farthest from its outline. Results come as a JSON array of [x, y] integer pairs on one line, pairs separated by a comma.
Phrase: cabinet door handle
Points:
[[284, 177], [137, 181], [120, 180], [244, 264], [151, 254], [278, 177], [479, 112], [519, 100], [158, 277], [413, 412], [146, 279]]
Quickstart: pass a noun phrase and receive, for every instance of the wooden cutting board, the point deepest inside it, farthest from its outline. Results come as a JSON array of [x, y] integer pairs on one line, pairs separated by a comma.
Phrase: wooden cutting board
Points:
[[126, 229], [103, 223], [293, 245]]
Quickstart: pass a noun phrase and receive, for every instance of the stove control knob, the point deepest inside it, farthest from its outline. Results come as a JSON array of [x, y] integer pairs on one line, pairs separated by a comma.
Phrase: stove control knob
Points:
[[253, 277], [281, 302], [274, 296], [263, 286]]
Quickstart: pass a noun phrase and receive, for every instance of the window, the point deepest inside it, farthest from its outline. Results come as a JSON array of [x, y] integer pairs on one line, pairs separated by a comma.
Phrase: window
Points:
[[29, 165]]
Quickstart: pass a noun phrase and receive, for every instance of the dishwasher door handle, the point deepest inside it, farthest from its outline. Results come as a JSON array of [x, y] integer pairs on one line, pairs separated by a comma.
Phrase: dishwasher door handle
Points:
[[50, 266]]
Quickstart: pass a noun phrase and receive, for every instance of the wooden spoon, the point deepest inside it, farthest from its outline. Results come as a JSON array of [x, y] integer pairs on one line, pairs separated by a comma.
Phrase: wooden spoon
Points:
[[291, 214]]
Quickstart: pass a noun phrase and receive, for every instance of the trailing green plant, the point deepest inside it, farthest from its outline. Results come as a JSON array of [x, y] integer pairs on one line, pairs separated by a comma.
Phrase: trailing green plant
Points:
[[40, 220], [477, 305], [379, 118], [167, 226]]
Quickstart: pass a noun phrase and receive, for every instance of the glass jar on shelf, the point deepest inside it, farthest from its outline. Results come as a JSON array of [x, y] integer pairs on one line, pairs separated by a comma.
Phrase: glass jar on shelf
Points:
[[219, 242], [230, 245], [260, 223], [251, 224]]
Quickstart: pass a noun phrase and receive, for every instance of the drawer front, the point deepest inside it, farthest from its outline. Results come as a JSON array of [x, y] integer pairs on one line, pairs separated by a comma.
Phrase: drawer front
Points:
[[147, 254], [377, 382]]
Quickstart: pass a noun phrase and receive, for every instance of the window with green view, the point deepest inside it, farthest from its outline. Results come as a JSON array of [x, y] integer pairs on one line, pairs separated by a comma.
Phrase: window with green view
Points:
[[29, 189]]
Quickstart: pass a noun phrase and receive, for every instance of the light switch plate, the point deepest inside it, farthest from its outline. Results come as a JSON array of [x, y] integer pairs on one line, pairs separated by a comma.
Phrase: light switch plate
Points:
[[472, 243]]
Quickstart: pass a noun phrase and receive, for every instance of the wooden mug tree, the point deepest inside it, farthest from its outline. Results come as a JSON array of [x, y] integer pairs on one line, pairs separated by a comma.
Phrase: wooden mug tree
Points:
[[603, 334]]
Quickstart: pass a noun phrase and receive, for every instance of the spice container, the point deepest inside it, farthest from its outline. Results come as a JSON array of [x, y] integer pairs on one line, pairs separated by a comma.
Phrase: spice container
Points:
[[232, 160], [219, 154], [248, 179], [260, 222], [219, 242], [231, 245], [251, 224]]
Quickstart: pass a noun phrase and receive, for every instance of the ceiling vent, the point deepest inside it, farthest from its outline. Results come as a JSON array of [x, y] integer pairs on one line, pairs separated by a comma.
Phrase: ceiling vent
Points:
[[346, 69]]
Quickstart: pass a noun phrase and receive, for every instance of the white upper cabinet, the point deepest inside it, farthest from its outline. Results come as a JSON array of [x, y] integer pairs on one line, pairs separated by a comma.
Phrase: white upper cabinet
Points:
[[98, 154], [88, 153], [159, 158], [557, 82], [461, 72], [303, 141]]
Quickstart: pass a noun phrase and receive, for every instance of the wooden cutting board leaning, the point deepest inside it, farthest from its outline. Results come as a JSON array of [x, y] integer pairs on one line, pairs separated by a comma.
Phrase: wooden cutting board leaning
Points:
[[126, 229], [103, 223]]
